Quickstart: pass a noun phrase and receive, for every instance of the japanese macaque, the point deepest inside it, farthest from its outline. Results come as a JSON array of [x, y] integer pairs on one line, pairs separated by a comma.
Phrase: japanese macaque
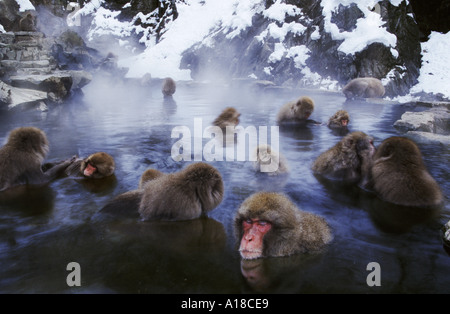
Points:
[[22, 156], [349, 160], [269, 161], [339, 120], [187, 194], [399, 175], [27, 23], [270, 225], [96, 166], [228, 117], [296, 111], [364, 87], [149, 175], [168, 87], [127, 204]]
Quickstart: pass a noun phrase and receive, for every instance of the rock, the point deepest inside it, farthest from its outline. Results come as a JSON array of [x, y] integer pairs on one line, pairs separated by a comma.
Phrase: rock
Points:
[[18, 96], [80, 78], [427, 137], [58, 83], [436, 120]]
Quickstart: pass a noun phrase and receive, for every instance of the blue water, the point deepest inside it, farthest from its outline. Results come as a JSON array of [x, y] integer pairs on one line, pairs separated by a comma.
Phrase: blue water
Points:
[[49, 227]]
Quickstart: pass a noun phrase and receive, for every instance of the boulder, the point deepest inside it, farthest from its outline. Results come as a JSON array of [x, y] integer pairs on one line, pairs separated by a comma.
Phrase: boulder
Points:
[[435, 120], [12, 96]]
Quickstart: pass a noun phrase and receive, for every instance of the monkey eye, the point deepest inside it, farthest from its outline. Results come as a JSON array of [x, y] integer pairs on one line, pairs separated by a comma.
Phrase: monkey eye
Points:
[[262, 223]]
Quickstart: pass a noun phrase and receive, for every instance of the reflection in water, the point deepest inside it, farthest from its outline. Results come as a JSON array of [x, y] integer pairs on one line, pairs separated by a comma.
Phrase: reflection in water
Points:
[[60, 223]]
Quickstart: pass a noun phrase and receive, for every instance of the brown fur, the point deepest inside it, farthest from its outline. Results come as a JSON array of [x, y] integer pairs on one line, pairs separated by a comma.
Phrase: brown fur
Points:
[[228, 117], [149, 175], [27, 23], [349, 160], [168, 87], [21, 158], [297, 110], [293, 230], [335, 120], [184, 195], [364, 87], [102, 161], [399, 174]]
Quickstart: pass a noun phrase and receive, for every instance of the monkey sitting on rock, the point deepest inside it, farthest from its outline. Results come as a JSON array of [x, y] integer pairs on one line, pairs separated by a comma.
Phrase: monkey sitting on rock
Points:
[[364, 87], [269, 225]]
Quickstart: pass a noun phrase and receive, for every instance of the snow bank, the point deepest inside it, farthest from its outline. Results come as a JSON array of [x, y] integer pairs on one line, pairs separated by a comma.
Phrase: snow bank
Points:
[[434, 73], [25, 5]]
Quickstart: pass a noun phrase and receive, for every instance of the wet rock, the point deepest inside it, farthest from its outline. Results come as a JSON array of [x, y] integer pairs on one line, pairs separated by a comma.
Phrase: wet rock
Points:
[[427, 137], [58, 83], [436, 120]]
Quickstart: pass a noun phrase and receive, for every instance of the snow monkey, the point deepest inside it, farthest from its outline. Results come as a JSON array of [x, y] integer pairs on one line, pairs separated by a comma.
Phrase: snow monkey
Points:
[[96, 166], [27, 23], [340, 119], [270, 162], [296, 111], [149, 175], [399, 174], [228, 117], [364, 87], [186, 194], [22, 156], [268, 224], [349, 160], [168, 87]]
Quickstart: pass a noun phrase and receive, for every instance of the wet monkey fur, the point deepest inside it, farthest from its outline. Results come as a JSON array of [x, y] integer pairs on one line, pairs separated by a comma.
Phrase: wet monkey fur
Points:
[[269, 225], [399, 175], [96, 166], [296, 111], [228, 117], [168, 87], [349, 160], [22, 156]]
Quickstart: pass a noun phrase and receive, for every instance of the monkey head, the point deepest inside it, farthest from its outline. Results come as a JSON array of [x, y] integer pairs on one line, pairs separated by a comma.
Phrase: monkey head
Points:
[[304, 107], [149, 175], [98, 165], [229, 116], [340, 119], [207, 184], [269, 224], [30, 140]]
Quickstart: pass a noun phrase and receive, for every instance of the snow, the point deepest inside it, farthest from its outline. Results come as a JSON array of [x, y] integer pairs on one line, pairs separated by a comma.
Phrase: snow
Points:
[[25, 5], [435, 68], [368, 29], [2, 30]]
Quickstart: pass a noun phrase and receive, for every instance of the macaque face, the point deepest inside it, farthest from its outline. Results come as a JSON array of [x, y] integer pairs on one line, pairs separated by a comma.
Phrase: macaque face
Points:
[[344, 122], [89, 170], [252, 241]]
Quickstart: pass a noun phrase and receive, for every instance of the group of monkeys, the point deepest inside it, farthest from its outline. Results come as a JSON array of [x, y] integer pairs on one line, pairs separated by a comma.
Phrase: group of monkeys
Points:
[[267, 224]]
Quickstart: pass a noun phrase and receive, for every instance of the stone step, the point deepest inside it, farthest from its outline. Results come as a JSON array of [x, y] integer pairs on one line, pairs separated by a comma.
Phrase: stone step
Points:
[[14, 64]]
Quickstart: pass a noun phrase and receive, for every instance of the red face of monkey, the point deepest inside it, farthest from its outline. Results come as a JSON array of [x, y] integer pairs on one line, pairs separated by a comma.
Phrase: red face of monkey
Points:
[[89, 170], [344, 122], [252, 241]]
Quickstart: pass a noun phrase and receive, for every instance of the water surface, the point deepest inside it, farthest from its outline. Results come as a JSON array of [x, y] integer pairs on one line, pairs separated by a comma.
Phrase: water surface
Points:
[[44, 229]]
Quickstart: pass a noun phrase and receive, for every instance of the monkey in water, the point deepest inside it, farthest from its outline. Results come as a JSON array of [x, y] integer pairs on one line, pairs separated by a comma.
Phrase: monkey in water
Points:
[[168, 87], [339, 120], [297, 111], [270, 162], [228, 117], [186, 194], [350, 160], [22, 156], [96, 166], [399, 175], [268, 224], [364, 87], [149, 175]]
